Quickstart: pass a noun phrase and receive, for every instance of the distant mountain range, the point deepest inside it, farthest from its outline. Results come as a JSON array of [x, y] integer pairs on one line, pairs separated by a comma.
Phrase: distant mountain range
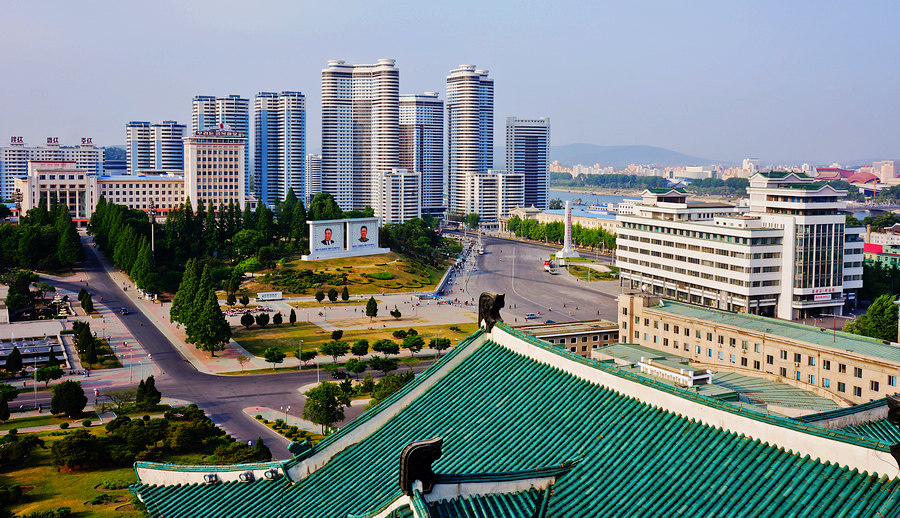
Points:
[[620, 157]]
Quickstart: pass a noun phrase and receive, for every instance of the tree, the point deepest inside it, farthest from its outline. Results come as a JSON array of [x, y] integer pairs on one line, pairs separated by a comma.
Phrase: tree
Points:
[[87, 304], [335, 349], [77, 449], [4, 408], [386, 347], [320, 296], [8, 392], [90, 352], [242, 359], [355, 366], [337, 334], [277, 319], [273, 356], [245, 300], [262, 319], [151, 396], [210, 331], [247, 320], [360, 347], [122, 402], [307, 356], [345, 295], [292, 318], [371, 308], [439, 344], [186, 290], [384, 365], [332, 294], [472, 220], [879, 321], [396, 313], [14, 361], [49, 373], [324, 206], [68, 398], [231, 299], [414, 343], [325, 404], [556, 204]]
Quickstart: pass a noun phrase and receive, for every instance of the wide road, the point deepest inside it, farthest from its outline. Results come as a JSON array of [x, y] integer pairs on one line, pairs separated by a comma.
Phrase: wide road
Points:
[[223, 398], [516, 268]]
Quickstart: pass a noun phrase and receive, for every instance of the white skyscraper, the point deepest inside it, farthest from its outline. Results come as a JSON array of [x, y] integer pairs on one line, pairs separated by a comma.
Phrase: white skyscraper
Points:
[[158, 146], [208, 112], [399, 195], [360, 129], [528, 154], [280, 146], [422, 145], [470, 134], [313, 177]]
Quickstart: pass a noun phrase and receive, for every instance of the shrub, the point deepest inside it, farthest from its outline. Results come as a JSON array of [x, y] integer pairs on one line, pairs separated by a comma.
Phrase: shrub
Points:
[[399, 333], [251, 264], [258, 417], [13, 431], [113, 484], [63, 425], [381, 276], [10, 494], [86, 423], [456, 328]]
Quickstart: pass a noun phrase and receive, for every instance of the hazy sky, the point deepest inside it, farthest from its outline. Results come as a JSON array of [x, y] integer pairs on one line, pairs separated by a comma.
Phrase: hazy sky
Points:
[[813, 81]]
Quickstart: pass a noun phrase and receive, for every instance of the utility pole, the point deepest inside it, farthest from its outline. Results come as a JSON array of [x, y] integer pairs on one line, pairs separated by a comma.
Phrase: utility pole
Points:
[[152, 214]]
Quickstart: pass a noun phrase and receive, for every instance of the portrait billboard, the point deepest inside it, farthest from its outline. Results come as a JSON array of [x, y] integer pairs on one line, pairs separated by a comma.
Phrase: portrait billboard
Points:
[[327, 235], [362, 234]]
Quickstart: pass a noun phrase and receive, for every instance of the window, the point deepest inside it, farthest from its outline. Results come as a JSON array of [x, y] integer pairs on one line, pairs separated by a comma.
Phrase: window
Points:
[[743, 362], [647, 322], [709, 337], [732, 342], [732, 358], [798, 357], [812, 361], [782, 372], [756, 348], [826, 382], [721, 339], [756, 364], [842, 387], [857, 391], [744, 344], [784, 355], [675, 345], [857, 372], [637, 336], [892, 381], [675, 329], [812, 379], [698, 334], [551, 341], [721, 355], [637, 320], [655, 339], [797, 375], [666, 342], [572, 349], [646, 337], [874, 386], [699, 349], [597, 337], [572, 340], [584, 348], [656, 324], [770, 359], [709, 353], [665, 327], [826, 364], [584, 339]]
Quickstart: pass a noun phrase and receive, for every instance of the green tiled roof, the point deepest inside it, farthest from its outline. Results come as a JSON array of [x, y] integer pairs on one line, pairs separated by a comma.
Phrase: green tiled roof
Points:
[[500, 411], [783, 174], [881, 430], [761, 390], [664, 190], [524, 504], [773, 326]]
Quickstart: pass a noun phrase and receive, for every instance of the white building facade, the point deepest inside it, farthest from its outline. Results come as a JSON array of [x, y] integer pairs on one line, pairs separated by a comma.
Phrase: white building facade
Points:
[[528, 154], [14, 159], [790, 256], [158, 146], [400, 196], [279, 146], [422, 145], [470, 138], [214, 167], [360, 129], [313, 176], [208, 112]]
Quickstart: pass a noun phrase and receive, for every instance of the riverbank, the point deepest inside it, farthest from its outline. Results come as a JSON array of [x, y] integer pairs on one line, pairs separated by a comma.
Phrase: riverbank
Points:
[[616, 195]]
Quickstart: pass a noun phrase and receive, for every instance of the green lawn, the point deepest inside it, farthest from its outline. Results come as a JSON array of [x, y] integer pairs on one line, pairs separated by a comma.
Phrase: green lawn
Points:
[[326, 302], [42, 420], [589, 274], [286, 337]]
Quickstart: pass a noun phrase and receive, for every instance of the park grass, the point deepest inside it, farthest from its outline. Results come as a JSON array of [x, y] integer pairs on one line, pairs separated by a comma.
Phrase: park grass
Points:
[[326, 302], [586, 273], [300, 435], [54, 489], [44, 420], [105, 357], [407, 274], [286, 338]]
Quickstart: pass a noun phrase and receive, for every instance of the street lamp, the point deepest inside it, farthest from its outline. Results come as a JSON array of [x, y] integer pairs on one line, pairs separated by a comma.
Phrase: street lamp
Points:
[[300, 354], [152, 213]]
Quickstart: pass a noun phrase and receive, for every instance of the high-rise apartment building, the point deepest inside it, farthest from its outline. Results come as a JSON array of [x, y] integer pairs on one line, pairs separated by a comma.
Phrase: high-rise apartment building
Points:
[[214, 166], [313, 177], [360, 129], [528, 154], [158, 146], [400, 196], [208, 112], [470, 134], [279, 146], [422, 145], [14, 159], [790, 256]]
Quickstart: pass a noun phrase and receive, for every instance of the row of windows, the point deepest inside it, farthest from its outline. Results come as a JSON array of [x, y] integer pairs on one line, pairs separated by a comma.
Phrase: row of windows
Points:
[[61, 177], [703, 235], [574, 339]]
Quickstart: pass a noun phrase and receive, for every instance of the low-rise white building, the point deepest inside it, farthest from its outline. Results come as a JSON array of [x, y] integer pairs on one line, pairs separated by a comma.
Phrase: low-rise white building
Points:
[[398, 195], [790, 255]]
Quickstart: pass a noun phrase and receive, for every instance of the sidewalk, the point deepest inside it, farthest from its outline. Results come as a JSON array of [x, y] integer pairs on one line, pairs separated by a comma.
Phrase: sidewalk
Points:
[[290, 419]]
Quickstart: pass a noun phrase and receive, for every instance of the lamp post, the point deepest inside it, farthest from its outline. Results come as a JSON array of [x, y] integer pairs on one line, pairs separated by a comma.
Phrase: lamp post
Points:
[[152, 213], [300, 354], [34, 350], [318, 380]]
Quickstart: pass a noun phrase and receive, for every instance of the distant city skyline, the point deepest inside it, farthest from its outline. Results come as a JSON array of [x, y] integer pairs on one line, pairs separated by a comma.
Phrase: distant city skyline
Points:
[[784, 82]]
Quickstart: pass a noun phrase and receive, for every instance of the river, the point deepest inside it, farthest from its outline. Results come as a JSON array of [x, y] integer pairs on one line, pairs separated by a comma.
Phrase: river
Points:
[[588, 198]]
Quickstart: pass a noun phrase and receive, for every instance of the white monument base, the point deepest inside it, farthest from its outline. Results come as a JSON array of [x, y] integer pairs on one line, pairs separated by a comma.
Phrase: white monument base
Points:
[[566, 253], [334, 254]]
